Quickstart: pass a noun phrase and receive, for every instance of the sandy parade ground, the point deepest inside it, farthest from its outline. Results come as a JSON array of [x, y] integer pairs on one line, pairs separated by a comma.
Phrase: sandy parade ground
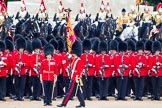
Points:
[[111, 103]]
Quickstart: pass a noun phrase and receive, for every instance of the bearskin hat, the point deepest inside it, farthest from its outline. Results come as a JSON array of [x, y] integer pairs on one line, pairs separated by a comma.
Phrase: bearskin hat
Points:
[[21, 43], [2, 46], [103, 46], [77, 48], [49, 37], [61, 46], [17, 36], [113, 45], [86, 44], [95, 46], [48, 50], [29, 47], [123, 46], [156, 46], [131, 45], [148, 45], [54, 43], [9, 45], [9, 38], [139, 45], [43, 41], [36, 44]]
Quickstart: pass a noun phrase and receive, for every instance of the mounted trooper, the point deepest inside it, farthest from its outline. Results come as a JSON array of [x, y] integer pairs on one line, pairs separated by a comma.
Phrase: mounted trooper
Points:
[[81, 16], [108, 11], [42, 14], [61, 16], [101, 16], [22, 14]]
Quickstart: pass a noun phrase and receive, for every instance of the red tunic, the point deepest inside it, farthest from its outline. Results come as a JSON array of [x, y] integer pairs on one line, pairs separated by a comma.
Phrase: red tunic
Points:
[[118, 64], [77, 68], [34, 59], [143, 69], [152, 65], [24, 59], [47, 69], [108, 65], [65, 64], [90, 58], [3, 68]]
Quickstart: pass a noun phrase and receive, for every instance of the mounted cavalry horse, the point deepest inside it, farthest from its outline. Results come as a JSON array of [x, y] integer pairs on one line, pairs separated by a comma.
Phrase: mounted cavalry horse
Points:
[[6, 26], [82, 28], [105, 30]]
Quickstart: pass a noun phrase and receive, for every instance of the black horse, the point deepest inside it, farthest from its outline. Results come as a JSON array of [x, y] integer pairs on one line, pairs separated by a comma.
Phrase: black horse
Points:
[[107, 29], [60, 30], [45, 28], [27, 28], [144, 31], [82, 29]]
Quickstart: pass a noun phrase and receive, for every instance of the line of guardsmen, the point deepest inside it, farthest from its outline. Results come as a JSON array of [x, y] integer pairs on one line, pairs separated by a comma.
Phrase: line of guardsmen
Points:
[[109, 65]]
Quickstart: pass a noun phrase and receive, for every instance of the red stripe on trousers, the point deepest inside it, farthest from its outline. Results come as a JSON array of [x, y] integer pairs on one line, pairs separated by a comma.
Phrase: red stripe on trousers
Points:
[[69, 93]]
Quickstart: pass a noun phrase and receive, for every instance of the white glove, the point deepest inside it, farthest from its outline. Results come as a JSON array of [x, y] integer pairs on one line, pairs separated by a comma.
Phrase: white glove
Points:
[[63, 22], [96, 23]]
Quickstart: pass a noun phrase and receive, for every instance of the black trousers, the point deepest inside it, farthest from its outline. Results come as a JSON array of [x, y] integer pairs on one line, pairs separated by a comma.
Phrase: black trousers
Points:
[[148, 86], [156, 82], [87, 86], [28, 85], [95, 86], [60, 87], [36, 86], [71, 90], [47, 89], [103, 87], [111, 86], [10, 85], [2, 87], [66, 82], [139, 86], [121, 86], [20, 86], [130, 85]]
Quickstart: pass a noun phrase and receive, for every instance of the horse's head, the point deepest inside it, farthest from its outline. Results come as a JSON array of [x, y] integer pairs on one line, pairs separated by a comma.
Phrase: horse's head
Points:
[[7, 23]]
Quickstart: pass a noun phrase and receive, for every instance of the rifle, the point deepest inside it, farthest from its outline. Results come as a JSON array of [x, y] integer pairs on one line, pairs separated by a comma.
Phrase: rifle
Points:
[[86, 69], [19, 65], [103, 67], [122, 68], [157, 66], [139, 67], [69, 72], [38, 66]]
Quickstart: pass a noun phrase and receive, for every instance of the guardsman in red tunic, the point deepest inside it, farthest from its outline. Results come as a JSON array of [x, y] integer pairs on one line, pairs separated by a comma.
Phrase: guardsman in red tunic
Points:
[[54, 43], [20, 65], [130, 53], [3, 71], [9, 81], [77, 68], [28, 83], [104, 70], [148, 84], [140, 72], [95, 85], [113, 45], [35, 62], [47, 74], [156, 70], [121, 63], [88, 61], [65, 66]]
